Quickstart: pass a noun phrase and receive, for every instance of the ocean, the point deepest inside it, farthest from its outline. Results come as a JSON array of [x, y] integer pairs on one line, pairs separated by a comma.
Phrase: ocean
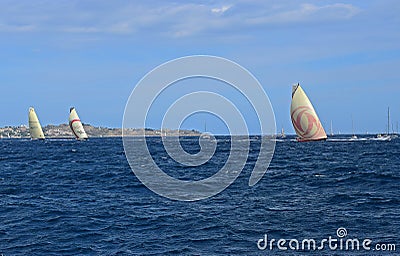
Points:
[[67, 197]]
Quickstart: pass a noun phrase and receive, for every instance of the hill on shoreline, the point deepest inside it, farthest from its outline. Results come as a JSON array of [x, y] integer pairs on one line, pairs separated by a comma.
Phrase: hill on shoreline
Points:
[[63, 131]]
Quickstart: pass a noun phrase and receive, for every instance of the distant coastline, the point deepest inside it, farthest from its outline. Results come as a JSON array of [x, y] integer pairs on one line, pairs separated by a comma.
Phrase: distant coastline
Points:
[[64, 131]]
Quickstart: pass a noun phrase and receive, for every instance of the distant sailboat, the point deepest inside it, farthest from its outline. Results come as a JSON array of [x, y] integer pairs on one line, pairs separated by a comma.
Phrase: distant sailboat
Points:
[[387, 135], [331, 129], [353, 137], [205, 135], [35, 129], [76, 125], [305, 121], [283, 133]]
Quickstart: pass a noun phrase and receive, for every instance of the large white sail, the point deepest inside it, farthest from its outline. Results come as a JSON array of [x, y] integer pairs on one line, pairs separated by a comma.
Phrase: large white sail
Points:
[[304, 118], [76, 125], [35, 129]]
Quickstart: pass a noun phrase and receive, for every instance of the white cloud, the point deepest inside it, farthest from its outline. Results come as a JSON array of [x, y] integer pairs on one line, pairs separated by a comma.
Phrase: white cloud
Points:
[[81, 30], [223, 9], [168, 19], [307, 13], [17, 28]]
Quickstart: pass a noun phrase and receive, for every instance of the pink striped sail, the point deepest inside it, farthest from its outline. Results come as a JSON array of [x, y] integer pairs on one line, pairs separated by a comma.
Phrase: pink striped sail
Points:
[[305, 120]]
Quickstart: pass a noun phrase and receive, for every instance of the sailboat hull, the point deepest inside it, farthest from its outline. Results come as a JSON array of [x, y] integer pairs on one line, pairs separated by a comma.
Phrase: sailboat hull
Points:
[[308, 140]]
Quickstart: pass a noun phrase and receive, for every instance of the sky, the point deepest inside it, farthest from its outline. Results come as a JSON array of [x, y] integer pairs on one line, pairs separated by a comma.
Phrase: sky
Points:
[[91, 54]]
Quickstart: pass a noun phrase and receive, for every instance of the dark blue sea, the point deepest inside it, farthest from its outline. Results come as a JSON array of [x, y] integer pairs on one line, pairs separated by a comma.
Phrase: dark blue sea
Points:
[[66, 197]]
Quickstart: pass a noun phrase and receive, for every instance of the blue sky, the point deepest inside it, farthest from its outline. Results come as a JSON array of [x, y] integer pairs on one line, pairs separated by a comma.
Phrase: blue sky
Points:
[[90, 54]]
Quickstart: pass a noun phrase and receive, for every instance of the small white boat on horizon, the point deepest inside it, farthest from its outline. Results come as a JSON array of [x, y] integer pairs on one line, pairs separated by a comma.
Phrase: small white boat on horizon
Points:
[[384, 137], [353, 137]]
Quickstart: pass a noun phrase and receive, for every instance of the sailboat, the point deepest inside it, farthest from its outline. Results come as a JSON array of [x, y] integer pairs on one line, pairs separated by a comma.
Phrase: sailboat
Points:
[[35, 129], [387, 135], [353, 137], [283, 135], [305, 120], [76, 125], [331, 129], [205, 134]]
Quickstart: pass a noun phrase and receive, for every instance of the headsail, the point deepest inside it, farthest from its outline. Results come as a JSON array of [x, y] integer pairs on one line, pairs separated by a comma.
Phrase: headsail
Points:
[[35, 129], [76, 125], [304, 118]]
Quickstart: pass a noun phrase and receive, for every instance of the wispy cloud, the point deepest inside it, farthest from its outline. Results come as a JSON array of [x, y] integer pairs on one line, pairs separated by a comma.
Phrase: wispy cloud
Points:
[[17, 28], [169, 19], [307, 13], [222, 9]]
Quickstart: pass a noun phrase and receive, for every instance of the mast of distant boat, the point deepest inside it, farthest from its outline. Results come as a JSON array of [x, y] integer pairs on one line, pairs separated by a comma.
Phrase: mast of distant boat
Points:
[[205, 135], [331, 129], [352, 128], [388, 120], [387, 136]]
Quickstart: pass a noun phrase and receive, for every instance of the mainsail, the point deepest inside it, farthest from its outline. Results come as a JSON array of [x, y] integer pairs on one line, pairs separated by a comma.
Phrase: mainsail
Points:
[[304, 118], [76, 125], [35, 129]]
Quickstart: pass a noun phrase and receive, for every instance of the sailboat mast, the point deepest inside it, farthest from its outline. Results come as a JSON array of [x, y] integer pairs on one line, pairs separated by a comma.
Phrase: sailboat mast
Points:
[[388, 120], [352, 125], [331, 129]]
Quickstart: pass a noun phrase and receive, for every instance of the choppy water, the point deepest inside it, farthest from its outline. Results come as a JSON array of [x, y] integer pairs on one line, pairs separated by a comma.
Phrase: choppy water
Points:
[[64, 197]]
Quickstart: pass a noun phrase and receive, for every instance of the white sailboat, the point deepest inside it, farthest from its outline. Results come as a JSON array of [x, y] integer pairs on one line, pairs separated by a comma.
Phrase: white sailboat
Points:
[[35, 129], [283, 135], [387, 135], [205, 134], [76, 125], [305, 120], [354, 136]]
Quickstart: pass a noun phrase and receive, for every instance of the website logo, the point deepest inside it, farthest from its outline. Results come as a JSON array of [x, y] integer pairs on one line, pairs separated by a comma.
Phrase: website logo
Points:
[[340, 242]]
